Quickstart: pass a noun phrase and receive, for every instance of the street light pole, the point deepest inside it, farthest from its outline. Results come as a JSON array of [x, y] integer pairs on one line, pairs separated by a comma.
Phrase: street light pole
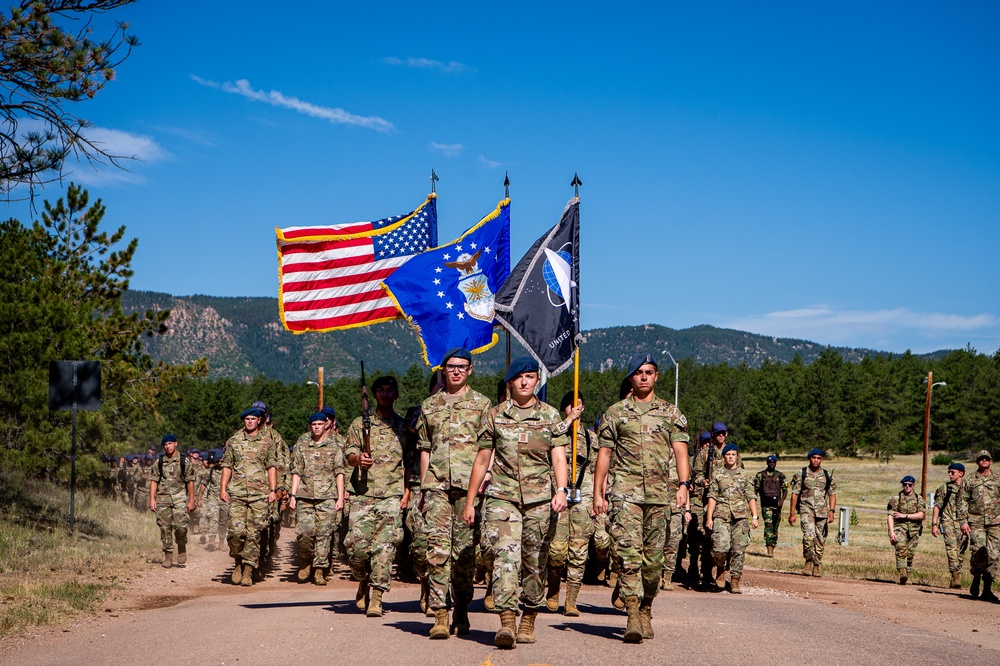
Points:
[[320, 386], [677, 381], [927, 431]]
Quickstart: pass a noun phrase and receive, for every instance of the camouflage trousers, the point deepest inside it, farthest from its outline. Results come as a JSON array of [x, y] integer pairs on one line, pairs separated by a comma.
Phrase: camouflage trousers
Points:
[[451, 554], [247, 519], [210, 513], [955, 544], [984, 544], [730, 538], [418, 542], [907, 538], [771, 517], [519, 536], [571, 544], [675, 530], [696, 540], [316, 523], [638, 532], [376, 529], [813, 535], [172, 519]]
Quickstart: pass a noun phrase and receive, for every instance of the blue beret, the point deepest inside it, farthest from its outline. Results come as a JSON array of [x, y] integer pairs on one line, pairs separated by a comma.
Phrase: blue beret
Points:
[[638, 361], [330, 412], [251, 411], [456, 352], [907, 479], [815, 452], [959, 466], [772, 458], [168, 438], [719, 426], [259, 404], [705, 436], [519, 365], [729, 447], [317, 416], [385, 380]]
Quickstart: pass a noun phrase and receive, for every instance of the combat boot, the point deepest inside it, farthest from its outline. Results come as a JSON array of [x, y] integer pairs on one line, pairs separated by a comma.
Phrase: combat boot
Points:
[[182, 556], [375, 605], [552, 601], [616, 595], [526, 630], [424, 593], [633, 627], [602, 570], [974, 590], [734, 585], [318, 577], [572, 591], [168, 559], [816, 572], [460, 619], [903, 576], [304, 574], [956, 580], [202, 539], [987, 594], [508, 627], [361, 598], [237, 576], [248, 574], [646, 618], [440, 629], [211, 544], [665, 583], [770, 551], [720, 580], [808, 570], [488, 600]]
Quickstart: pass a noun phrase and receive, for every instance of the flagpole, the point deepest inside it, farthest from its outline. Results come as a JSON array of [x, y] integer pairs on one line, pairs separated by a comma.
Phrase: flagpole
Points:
[[577, 493]]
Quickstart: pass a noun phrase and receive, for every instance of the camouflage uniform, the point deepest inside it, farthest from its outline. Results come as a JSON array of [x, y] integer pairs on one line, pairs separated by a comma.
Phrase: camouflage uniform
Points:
[[376, 519], [640, 436], [317, 465], [907, 531], [136, 500], [415, 525], [210, 502], [171, 499], [732, 490], [571, 544], [518, 522], [979, 506], [955, 542], [696, 534], [282, 463], [706, 465], [814, 510], [249, 457], [449, 430], [770, 510], [675, 528]]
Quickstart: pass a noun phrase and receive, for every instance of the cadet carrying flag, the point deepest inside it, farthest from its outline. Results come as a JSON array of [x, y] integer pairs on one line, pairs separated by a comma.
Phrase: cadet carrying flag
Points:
[[447, 293], [540, 302], [328, 276]]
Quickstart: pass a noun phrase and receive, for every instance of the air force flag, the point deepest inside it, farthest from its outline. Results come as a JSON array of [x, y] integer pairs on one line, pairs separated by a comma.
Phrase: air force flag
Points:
[[447, 293], [540, 301]]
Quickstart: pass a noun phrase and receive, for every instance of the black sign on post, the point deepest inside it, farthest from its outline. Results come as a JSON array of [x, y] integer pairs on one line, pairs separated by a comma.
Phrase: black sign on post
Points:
[[74, 385]]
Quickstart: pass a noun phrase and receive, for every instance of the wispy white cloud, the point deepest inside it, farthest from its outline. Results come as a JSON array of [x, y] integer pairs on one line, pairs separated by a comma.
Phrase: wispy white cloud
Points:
[[193, 136], [131, 147], [450, 67], [827, 325], [333, 115], [447, 149], [488, 163]]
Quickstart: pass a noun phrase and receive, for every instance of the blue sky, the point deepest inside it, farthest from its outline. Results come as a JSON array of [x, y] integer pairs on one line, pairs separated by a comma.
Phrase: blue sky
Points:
[[826, 171]]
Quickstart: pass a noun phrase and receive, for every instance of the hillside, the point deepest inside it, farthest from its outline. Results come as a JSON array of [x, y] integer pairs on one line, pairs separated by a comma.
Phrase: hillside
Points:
[[243, 338]]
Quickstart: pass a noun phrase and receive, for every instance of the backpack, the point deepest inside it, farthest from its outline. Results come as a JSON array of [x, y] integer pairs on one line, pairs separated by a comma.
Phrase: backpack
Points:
[[770, 487]]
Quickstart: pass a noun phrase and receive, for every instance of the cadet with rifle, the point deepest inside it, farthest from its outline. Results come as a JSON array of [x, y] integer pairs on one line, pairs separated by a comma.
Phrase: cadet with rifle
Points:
[[945, 523]]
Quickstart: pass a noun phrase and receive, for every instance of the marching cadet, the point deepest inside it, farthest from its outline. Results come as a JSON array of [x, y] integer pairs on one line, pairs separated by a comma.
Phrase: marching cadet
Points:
[[636, 438], [526, 439], [730, 499], [707, 464], [814, 499], [414, 518], [700, 557], [208, 499], [171, 498], [381, 496], [771, 488], [944, 522], [317, 496], [905, 519], [979, 511]]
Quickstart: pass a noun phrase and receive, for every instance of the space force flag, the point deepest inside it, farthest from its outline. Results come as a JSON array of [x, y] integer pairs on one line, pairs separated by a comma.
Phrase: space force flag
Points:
[[328, 276], [447, 293], [540, 302]]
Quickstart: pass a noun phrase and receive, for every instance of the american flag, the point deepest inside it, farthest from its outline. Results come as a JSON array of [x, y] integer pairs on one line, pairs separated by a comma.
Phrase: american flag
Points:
[[328, 277]]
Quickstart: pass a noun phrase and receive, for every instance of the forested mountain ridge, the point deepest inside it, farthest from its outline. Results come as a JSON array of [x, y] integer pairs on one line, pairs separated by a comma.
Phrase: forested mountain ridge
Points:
[[243, 338]]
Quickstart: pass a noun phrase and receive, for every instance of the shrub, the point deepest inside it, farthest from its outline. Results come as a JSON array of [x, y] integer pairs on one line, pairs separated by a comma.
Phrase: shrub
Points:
[[942, 459]]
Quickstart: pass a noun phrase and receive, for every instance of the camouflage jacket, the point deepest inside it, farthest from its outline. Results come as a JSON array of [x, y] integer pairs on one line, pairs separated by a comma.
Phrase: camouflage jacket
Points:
[[912, 503], [641, 448], [249, 457], [387, 437], [812, 490], [946, 501], [317, 465], [979, 501], [171, 485], [711, 459], [522, 466], [210, 479], [585, 464], [282, 457], [451, 433], [732, 493]]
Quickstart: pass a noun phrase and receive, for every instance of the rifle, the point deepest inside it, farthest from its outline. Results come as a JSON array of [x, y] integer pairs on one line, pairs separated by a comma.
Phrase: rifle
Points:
[[366, 414]]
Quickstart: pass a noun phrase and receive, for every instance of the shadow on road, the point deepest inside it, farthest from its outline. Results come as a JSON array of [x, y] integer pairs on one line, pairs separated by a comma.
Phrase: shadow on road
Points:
[[422, 628], [603, 631], [297, 604], [590, 609]]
